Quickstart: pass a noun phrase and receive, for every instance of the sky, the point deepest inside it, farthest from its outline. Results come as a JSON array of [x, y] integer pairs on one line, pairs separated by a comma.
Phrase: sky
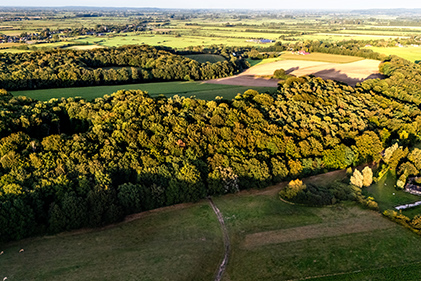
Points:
[[225, 4]]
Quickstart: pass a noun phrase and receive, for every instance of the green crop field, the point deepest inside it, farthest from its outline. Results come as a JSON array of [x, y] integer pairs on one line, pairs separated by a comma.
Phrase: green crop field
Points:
[[203, 58], [410, 53], [187, 89], [270, 240], [162, 40], [340, 37], [259, 62]]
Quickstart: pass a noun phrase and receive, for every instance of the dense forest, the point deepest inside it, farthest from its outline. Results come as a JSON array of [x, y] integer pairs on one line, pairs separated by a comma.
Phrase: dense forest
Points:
[[71, 163], [105, 66]]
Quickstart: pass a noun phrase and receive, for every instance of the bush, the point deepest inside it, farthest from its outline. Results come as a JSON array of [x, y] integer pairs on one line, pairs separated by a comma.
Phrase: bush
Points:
[[281, 74]]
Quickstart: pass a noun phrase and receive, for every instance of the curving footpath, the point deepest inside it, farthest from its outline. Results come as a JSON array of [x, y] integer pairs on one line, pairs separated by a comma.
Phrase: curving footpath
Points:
[[227, 245]]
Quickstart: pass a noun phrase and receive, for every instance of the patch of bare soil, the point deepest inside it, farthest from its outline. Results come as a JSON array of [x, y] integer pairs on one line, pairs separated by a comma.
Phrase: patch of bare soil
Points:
[[366, 223], [246, 80]]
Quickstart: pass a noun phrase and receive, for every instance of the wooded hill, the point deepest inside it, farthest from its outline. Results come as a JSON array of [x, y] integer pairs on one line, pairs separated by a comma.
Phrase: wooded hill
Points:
[[106, 66]]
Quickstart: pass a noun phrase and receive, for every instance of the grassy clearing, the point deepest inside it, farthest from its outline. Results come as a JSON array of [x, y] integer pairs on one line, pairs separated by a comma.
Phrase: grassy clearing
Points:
[[177, 243], [200, 90], [387, 196], [407, 272], [409, 53], [264, 61], [14, 51], [341, 251], [321, 57], [333, 37], [83, 47], [203, 58]]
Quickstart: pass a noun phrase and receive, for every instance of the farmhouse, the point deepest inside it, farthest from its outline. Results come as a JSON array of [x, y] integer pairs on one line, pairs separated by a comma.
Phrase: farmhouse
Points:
[[301, 53], [412, 188], [261, 41]]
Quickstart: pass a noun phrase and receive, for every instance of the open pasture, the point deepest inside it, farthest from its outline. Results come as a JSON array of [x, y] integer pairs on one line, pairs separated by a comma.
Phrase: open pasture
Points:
[[272, 240], [173, 41], [203, 58], [410, 53], [199, 89], [176, 243]]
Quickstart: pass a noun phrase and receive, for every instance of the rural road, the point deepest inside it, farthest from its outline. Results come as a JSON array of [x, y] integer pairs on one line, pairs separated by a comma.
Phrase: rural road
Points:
[[227, 245]]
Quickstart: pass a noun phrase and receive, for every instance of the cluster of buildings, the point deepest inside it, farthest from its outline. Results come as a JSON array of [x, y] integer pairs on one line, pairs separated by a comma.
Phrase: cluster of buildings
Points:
[[64, 33], [261, 41]]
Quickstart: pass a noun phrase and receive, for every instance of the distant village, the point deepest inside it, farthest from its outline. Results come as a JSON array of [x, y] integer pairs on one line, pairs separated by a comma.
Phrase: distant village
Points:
[[56, 35]]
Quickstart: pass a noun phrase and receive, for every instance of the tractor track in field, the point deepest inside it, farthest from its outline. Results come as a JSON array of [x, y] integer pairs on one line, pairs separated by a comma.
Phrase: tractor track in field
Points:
[[227, 244]]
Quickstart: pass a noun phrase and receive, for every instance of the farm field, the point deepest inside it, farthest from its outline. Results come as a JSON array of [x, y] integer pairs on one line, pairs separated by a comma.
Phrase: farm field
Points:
[[410, 53], [203, 58], [13, 51], [270, 240], [83, 47], [311, 57], [182, 242], [204, 31], [258, 62], [163, 40], [277, 241], [320, 57], [350, 73], [333, 37], [199, 89]]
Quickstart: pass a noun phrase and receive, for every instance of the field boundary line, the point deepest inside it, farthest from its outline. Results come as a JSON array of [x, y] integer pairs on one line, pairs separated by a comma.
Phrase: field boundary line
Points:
[[227, 244], [352, 272]]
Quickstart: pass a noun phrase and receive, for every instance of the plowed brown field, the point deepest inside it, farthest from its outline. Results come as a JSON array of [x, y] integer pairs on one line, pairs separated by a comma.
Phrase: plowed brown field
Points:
[[349, 73]]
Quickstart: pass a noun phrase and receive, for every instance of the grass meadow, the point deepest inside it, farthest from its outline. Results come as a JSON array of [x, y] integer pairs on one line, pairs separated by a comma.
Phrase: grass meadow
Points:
[[176, 243], [189, 88], [173, 41], [386, 195], [273, 240], [204, 58], [270, 240], [410, 53]]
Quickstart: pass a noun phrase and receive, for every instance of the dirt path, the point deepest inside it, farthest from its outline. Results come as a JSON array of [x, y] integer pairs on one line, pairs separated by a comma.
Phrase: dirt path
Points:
[[227, 244]]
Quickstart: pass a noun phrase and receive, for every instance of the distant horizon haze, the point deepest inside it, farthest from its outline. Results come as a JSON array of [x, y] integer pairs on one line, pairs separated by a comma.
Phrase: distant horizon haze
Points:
[[220, 4]]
